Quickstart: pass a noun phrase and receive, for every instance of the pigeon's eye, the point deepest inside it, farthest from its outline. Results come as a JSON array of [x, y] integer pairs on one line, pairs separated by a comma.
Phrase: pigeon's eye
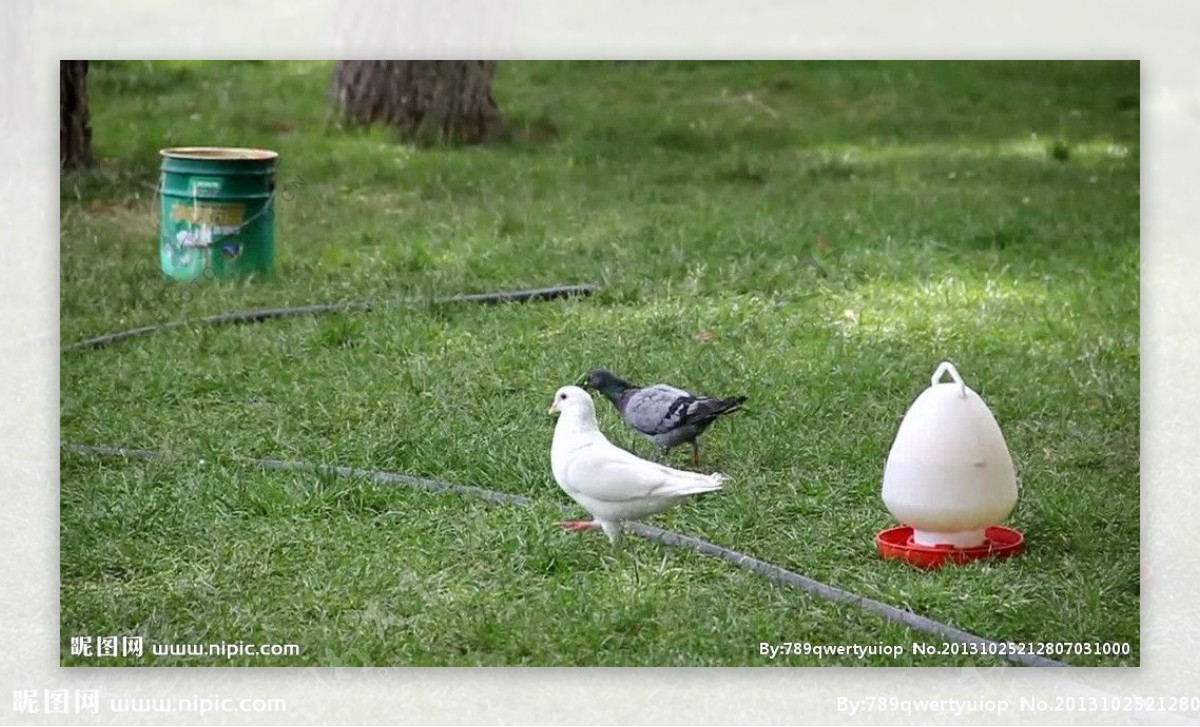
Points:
[[562, 396]]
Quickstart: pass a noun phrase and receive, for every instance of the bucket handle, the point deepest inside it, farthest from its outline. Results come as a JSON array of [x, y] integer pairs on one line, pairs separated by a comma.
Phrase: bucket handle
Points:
[[270, 205], [947, 367]]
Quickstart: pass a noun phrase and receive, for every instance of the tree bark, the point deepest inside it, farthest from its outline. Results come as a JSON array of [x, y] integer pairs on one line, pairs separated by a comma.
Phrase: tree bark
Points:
[[426, 101], [74, 124]]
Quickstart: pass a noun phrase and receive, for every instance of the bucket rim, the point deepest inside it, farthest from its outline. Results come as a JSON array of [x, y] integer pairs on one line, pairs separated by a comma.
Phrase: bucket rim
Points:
[[218, 153]]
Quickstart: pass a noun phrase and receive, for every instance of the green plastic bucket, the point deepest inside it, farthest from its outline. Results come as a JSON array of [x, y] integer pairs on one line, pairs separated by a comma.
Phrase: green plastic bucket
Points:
[[217, 212]]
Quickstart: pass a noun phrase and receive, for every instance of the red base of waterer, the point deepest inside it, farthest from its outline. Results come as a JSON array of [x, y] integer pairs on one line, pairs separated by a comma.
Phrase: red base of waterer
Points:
[[897, 543]]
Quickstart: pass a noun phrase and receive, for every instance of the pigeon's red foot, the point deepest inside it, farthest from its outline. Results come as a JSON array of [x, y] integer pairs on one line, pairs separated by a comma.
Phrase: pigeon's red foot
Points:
[[578, 526]]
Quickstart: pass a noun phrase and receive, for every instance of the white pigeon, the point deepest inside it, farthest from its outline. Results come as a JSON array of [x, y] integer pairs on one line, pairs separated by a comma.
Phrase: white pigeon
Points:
[[610, 483]]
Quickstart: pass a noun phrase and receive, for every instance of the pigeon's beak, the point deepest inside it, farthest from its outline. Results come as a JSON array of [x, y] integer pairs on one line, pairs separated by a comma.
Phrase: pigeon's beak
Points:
[[553, 407]]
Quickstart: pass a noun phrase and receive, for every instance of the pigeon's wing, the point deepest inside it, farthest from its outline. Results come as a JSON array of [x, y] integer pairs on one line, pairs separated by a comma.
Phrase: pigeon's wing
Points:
[[610, 474], [658, 409]]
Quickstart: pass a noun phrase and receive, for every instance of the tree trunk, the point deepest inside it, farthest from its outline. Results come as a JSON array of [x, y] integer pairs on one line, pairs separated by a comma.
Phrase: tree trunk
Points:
[[74, 125], [427, 101]]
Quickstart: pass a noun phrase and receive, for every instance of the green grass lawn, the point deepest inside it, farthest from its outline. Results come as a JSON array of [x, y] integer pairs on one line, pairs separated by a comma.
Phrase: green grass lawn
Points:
[[816, 236]]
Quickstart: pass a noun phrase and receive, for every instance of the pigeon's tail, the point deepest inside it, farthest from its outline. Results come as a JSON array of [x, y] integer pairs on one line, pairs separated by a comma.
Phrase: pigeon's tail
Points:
[[680, 482], [733, 403], [710, 408]]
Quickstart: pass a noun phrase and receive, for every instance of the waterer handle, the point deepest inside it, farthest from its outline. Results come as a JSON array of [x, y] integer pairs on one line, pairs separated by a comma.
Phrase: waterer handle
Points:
[[947, 367]]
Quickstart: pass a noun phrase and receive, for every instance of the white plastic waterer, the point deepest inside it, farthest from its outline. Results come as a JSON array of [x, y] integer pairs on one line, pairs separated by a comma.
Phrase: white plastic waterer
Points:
[[949, 475]]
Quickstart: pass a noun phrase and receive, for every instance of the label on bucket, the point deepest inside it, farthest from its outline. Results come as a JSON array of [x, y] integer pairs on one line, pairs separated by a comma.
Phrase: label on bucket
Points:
[[202, 230], [217, 214], [205, 185], [204, 235]]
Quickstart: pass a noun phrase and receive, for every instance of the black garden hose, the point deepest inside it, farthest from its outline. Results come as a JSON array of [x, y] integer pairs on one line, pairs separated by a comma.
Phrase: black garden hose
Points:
[[266, 314], [666, 537]]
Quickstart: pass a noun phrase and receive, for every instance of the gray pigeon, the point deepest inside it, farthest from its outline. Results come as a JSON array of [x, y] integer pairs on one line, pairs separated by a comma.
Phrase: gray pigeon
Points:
[[663, 414]]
